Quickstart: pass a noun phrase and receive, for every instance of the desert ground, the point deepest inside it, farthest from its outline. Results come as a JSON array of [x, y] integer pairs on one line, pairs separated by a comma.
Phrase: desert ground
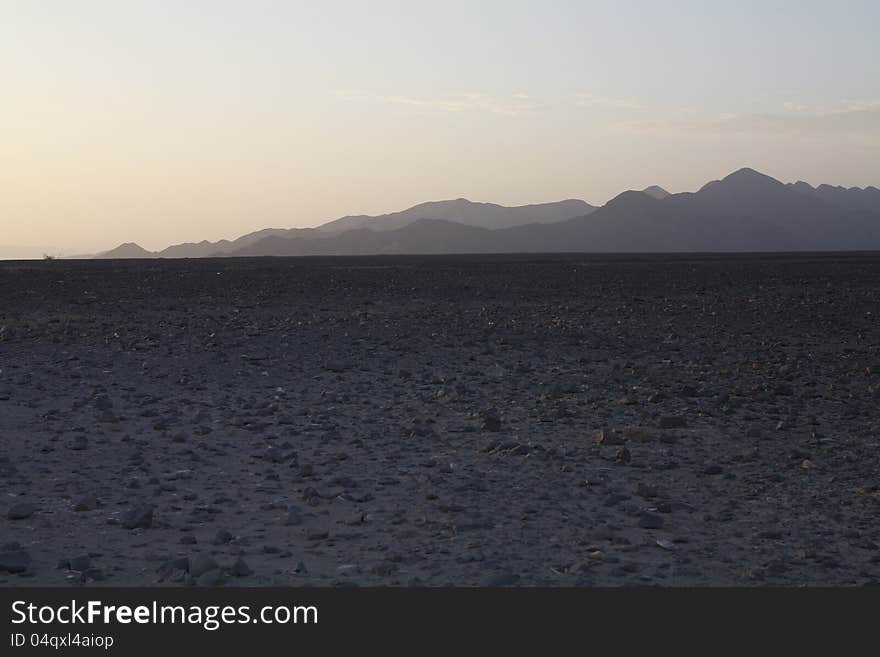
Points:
[[578, 420]]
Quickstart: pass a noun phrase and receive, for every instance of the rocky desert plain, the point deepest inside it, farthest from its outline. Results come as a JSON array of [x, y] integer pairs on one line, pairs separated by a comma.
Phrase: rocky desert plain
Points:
[[565, 420]]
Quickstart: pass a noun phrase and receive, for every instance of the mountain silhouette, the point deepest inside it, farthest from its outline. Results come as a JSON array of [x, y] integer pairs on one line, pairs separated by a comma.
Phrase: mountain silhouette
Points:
[[469, 213], [745, 211], [460, 211], [656, 191], [854, 198], [127, 250]]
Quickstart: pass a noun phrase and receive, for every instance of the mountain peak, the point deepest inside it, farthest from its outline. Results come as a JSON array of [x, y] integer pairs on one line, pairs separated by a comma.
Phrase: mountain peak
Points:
[[656, 191], [127, 250], [749, 175], [744, 180], [633, 200]]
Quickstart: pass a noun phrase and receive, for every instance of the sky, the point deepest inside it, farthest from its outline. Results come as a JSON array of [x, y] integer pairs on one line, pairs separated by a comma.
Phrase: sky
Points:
[[161, 122]]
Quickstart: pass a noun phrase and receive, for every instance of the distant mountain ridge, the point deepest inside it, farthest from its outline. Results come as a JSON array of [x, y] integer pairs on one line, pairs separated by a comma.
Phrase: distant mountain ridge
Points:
[[461, 211], [469, 213], [745, 211], [854, 198]]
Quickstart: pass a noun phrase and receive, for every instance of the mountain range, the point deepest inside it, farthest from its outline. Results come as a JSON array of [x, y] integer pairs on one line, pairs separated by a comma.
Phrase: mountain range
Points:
[[745, 211]]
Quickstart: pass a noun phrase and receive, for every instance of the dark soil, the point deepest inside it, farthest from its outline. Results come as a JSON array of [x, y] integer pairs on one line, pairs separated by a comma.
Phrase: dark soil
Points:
[[552, 421]]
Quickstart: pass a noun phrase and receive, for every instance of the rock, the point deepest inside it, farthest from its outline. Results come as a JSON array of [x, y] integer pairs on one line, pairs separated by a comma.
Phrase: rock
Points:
[[770, 535], [491, 420], [78, 443], [201, 564], [311, 496], [222, 538], [645, 491], [384, 569], [648, 520], [173, 565], [103, 403], [14, 561], [138, 517], [86, 503], [603, 437], [713, 470], [21, 511], [240, 568], [80, 563], [672, 422], [614, 499], [212, 577], [501, 579], [637, 434], [688, 391]]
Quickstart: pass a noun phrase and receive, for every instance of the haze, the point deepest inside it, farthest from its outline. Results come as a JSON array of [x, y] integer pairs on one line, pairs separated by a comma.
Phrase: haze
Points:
[[160, 122]]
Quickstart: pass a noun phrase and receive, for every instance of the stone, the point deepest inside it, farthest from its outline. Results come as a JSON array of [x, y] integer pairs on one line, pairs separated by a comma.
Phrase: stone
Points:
[[139, 517], [648, 520], [637, 434], [173, 565], [78, 443], [240, 568], [222, 537], [212, 577], [501, 579], [672, 422], [603, 437], [491, 420], [86, 503], [14, 561], [201, 564], [21, 511], [80, 563], [645, 491]]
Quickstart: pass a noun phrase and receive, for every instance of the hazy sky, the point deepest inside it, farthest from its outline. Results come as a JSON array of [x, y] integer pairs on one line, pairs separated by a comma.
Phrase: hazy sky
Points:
[[161, 122]]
